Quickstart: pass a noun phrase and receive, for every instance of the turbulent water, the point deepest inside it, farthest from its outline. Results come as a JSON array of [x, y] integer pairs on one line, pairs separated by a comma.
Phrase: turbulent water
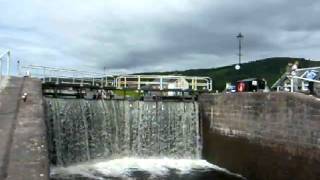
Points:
[[134, 168], [124, 139]]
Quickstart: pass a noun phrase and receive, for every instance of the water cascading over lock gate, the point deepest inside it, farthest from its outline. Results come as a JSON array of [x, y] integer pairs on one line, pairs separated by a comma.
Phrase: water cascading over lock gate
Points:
[[81, 130], [103, 139]]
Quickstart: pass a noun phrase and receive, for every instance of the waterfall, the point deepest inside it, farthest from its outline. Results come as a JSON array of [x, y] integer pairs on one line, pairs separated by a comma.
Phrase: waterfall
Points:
[[89, 139], [82, 130]]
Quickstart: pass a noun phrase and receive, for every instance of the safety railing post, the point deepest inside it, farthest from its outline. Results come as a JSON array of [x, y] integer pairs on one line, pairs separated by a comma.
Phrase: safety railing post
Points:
[[161, 83], [8, 63], [192, 84], [0, 68], [195, 83], [106, 84], [139, 82], [44, 75], [291, 84]]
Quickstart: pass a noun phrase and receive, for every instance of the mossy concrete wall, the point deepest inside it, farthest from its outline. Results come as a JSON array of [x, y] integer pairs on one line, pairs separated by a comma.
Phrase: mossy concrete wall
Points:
[[263, 135]]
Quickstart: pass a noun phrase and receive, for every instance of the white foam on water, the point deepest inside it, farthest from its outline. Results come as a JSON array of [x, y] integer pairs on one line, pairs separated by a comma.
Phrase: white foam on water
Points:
[[121, 168], [157, 167]]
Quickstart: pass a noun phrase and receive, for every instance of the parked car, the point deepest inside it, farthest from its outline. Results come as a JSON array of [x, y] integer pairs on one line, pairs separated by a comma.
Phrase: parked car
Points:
[[230, 87], [250, 85]]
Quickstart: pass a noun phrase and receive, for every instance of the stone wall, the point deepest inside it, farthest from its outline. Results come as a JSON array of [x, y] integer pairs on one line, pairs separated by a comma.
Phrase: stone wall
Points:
[[263, 135]]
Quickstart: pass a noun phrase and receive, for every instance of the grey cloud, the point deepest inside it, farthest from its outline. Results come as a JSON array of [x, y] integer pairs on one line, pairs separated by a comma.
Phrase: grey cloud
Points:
[[153, 35]]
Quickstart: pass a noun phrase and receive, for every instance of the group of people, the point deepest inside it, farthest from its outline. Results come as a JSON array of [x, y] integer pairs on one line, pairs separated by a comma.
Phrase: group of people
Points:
[[102, 94]]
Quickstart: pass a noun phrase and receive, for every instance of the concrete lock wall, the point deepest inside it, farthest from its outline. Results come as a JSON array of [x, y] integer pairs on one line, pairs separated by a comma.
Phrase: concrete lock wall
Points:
[[263, 135], [23, 149]]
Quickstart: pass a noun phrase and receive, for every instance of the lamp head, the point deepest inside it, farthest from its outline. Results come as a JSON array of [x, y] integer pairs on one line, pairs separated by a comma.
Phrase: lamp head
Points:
[[237, 67], [240, 36]]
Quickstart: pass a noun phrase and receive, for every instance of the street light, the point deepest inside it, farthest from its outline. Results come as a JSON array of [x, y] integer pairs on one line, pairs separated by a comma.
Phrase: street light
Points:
[[239, 37], [237, 67]]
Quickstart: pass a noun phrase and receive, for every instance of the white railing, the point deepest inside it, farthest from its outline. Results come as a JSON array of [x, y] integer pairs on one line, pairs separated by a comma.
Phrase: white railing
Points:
[[164, 82], [138, 82], [5, 59], [63, 75], [297, 82]]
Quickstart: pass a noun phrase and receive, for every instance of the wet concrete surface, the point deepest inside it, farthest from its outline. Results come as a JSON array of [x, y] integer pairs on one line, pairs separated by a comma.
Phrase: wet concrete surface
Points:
[[9, 98], [23, 149]]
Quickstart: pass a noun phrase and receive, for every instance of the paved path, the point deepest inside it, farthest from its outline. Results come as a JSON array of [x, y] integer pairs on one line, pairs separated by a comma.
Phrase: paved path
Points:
[[23, 152], [9, 98]]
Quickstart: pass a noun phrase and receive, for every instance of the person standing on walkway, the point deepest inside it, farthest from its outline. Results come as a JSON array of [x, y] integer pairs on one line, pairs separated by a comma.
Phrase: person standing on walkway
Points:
[[311, 74], [293, 73], [294, 68]]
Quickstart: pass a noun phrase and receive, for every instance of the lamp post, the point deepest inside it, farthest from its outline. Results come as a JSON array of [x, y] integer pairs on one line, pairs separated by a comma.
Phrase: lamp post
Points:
[[18, 67], [239, 37]]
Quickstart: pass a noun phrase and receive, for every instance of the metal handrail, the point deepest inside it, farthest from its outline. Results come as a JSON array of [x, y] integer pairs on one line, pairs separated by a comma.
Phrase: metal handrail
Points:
[[7, 55], [303, 80], [139, 80], [310, 68], [54, 75], [55, 69], [306, 79], [63, 75], [293, 81]]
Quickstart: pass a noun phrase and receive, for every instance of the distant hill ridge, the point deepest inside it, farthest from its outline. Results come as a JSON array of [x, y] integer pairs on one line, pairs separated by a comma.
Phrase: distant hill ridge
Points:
[[270, 69]]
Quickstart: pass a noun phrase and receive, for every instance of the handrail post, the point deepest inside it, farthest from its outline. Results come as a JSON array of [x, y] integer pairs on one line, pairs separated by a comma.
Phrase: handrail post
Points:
[[101, 82], [139, 82], [106, 85], [44, 75], [0, 68], [8, 63], [161, 83], [192, 83], [291, 84]]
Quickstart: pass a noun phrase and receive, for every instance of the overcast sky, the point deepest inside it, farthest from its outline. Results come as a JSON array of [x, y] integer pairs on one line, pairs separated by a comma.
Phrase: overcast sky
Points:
[[156, 35]]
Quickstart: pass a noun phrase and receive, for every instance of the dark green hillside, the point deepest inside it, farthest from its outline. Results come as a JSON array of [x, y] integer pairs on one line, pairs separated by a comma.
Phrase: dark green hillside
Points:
[[270, 69]]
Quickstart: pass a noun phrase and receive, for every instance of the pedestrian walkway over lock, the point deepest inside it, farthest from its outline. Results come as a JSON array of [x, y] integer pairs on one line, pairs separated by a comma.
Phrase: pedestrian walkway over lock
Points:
[[299, 81], [70, 78]]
